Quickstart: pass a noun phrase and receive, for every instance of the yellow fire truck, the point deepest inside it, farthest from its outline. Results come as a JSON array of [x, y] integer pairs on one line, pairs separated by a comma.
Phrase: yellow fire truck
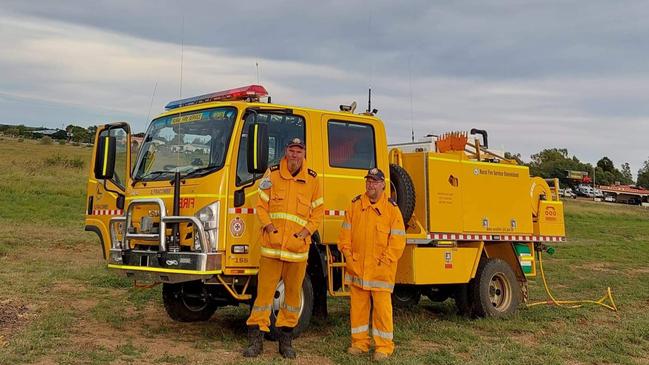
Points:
[[181, 212]]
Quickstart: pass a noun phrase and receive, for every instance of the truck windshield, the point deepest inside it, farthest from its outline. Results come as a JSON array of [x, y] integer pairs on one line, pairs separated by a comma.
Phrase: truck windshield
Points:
[[194, 143]]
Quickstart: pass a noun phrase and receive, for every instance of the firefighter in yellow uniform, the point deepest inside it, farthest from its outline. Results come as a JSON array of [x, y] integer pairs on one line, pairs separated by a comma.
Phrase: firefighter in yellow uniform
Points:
[[290, 208], [372, 239]]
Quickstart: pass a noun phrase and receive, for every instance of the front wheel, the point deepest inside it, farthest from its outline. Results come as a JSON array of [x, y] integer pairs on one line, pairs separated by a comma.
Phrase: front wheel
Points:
[[306, 308], [496, 292], [187, 302]]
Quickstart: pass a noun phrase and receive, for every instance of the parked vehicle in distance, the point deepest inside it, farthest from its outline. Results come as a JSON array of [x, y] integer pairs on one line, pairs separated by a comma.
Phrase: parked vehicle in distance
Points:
[[609, 198], [585, 190], [567, 193]]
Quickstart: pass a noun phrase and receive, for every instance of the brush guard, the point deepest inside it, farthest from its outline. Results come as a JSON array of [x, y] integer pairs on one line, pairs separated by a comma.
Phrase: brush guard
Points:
[[161, 265]]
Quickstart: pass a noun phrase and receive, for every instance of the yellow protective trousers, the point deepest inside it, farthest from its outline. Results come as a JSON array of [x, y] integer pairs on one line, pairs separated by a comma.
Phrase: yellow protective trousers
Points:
[[270, 272], [382, 330]]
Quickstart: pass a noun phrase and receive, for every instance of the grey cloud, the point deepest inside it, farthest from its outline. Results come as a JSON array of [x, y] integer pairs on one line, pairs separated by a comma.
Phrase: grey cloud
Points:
[[505, 39]]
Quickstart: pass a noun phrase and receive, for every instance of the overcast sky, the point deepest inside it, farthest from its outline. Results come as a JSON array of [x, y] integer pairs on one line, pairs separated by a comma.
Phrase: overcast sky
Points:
[[535, 74]]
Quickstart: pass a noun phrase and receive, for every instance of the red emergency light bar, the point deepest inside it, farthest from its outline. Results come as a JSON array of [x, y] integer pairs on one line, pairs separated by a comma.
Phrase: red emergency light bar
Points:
[[250, 93]]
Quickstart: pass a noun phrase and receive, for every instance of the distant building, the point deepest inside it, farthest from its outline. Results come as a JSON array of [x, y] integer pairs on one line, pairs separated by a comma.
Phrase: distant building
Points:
[[628, 194], [52, 133]]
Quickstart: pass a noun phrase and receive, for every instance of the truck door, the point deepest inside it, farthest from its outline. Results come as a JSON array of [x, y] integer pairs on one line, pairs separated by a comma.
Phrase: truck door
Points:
[[105, 197], [242, 223], [350, 149]]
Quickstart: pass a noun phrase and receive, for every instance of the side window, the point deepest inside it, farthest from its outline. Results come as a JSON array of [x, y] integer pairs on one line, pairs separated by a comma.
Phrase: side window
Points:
[[351, 145], [281, 129], [120, 135]]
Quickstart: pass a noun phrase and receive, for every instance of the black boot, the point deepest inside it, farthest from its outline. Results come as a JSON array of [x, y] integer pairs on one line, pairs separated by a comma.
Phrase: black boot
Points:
[[256, 342], [285, 347]]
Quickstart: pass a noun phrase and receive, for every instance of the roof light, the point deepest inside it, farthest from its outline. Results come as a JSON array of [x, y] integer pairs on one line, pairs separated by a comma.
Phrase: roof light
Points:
[[250, 93]]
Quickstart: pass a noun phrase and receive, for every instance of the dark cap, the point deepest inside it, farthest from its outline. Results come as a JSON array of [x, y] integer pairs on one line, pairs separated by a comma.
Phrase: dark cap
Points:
[[375, 174], [295, 142]]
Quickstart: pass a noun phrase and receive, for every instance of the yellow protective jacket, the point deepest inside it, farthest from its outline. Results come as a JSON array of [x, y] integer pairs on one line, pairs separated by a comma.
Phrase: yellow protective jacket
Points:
[[372, 238], [290, 203]]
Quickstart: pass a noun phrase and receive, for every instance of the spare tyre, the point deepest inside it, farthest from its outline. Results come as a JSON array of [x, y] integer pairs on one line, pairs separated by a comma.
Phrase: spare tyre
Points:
[[403, 191]]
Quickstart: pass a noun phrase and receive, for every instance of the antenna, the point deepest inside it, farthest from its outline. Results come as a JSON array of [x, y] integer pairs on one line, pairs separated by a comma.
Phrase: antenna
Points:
[[182, 52], [257, 64], [148, 115], [412, 123], [369, 100]]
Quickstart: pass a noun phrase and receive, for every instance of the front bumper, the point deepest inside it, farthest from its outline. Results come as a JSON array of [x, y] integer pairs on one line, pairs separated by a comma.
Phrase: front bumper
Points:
[[167, 267], [161, 265]]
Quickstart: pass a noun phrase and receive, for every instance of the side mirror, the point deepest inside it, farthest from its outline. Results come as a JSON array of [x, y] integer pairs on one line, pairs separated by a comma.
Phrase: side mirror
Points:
[[105, 158], [257, 148]]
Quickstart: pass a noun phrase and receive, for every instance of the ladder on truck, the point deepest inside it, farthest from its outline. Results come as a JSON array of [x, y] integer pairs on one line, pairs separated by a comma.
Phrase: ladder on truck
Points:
[[332, 266]]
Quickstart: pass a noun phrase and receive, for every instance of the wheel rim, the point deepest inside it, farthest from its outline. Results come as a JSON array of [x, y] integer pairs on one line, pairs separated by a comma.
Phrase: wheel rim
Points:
[[195, 302], [278, 299], [500, 292]]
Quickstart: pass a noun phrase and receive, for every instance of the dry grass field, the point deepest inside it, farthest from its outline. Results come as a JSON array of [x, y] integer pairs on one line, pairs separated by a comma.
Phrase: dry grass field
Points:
[[60, 305]]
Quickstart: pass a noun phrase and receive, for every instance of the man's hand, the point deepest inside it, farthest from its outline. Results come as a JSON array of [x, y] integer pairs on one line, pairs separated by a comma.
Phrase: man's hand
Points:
[[304, 233], [270, 228]]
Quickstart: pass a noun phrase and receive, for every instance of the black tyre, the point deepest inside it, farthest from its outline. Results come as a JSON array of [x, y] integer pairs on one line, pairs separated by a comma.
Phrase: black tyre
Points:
[[188, 302], [496, 292], [403, 191], [306, 309], [405, 296], [463, 296]]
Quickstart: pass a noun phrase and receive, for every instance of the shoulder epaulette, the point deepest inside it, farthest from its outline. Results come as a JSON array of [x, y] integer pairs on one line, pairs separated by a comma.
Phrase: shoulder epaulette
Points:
[[274, 168], [393, 202], [312, 173], [356, 198]]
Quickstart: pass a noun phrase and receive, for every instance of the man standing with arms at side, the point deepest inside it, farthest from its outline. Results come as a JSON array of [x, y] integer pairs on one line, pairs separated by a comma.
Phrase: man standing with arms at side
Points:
[[372, 239], [290, 208]]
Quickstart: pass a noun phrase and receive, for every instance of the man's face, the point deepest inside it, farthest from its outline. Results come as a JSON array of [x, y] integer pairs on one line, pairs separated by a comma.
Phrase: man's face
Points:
[[374, 188], [294, 157]]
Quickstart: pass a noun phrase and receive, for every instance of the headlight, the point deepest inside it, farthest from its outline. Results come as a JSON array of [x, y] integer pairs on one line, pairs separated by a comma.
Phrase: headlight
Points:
[[209, 216]]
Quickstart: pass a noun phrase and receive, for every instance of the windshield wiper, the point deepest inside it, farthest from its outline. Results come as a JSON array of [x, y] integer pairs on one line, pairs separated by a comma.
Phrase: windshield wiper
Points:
[[199, 171], [155, 173]]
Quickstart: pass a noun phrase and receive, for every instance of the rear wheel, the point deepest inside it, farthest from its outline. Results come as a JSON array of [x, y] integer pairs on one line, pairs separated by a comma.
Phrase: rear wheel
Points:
[[496, 292], [405, 296], [306, 308], [402, 190], [188, 302]]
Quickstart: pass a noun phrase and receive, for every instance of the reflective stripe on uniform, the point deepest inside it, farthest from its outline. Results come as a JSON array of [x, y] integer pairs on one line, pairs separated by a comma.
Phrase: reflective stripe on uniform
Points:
[[386, 335], [369, 283], [347, 225], [291, 308], [281, 254], [398, 232], [288, 217], [262, 308], [263, 195], [360, 329], [316, 203]]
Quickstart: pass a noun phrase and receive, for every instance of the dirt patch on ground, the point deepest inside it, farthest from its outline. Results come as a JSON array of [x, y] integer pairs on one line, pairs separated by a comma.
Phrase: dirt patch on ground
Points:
[[177, 343], [597, 266], [13, 316], [525, 339], [640, 270], [425, 346]]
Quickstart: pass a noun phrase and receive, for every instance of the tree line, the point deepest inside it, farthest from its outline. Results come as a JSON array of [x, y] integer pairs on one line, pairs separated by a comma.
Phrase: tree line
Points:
[[555, 162], [72, 133]]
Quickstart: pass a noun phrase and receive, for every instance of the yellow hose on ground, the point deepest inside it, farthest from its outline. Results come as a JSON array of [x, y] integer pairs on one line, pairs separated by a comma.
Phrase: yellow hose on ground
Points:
[[572, 303]]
